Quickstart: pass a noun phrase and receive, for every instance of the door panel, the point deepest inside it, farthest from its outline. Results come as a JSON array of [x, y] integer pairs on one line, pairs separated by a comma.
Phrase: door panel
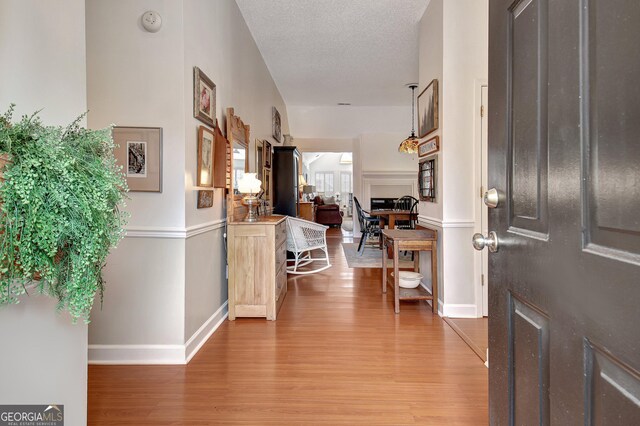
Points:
[[610, 63], [528, 364], [613, 389], [564, 151], [528, 116]]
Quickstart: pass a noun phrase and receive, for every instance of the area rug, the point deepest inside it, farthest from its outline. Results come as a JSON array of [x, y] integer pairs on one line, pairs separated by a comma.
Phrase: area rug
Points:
[[371, 258]]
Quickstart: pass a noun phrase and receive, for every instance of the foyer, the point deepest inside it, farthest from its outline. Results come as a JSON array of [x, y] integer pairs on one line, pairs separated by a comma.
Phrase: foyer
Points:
[[336, 355]]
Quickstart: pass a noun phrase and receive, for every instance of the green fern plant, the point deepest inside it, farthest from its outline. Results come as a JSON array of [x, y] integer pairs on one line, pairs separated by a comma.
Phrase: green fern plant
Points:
[[60, 212]]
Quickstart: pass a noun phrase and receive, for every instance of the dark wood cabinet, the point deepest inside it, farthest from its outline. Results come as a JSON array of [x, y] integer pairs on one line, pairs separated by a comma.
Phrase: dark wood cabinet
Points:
[[285, 166]]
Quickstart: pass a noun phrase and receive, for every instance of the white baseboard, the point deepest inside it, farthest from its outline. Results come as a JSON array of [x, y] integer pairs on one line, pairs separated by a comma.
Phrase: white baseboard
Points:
[[136, 354], [459, 310], [201, 336], [158, 354]]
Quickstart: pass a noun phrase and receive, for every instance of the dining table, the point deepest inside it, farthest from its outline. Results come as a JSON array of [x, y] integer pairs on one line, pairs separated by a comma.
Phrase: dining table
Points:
[[390, 216]]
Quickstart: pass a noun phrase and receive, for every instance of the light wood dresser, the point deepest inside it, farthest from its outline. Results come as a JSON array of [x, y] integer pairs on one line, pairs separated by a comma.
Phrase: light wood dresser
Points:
[[257, 254], [307, 211]]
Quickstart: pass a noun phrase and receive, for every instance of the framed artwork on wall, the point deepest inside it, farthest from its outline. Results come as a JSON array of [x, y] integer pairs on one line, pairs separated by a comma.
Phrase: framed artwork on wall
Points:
[[429, 146], [266, 183], [204, 97], [428, 109], [206, 149], [259, 158], [267, 155], [277, 125], [139, 151], [427, 179], [205, 198]]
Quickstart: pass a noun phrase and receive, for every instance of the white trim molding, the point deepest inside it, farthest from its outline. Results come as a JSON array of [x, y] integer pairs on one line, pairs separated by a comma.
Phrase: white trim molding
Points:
[[203, 334], [158, 354], [456, 223], [173, 232], [452, 310]]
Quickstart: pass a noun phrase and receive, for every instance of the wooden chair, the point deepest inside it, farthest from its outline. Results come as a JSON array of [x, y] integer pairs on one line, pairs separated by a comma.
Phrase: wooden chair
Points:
[[369, 226], [410, 203]]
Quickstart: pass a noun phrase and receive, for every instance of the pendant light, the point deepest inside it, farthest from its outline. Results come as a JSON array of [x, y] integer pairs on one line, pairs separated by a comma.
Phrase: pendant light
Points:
[[410, 144]]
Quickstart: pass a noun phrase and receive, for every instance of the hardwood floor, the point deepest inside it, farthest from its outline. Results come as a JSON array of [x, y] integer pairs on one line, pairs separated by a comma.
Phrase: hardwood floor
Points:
[[474, 331], [337, 355]]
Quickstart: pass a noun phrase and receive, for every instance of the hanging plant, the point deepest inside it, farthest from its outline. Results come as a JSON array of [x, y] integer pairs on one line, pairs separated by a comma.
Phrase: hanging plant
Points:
[[59, 206]]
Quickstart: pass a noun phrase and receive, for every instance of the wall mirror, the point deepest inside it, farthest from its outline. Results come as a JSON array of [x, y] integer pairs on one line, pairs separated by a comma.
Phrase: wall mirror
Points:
[[238, 136]]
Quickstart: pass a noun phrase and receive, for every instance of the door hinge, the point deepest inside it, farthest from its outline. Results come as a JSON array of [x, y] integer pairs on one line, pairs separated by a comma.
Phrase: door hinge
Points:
[[482, 280], [481, 191], [481, 110]]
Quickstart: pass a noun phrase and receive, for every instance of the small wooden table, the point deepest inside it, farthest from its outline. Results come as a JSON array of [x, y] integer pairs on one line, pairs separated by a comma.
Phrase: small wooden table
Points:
[[412, 240], [390, 216]]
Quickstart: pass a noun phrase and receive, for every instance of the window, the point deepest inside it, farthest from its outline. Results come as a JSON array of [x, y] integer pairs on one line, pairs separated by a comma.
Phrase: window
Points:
[[324, 182], [345, 182]]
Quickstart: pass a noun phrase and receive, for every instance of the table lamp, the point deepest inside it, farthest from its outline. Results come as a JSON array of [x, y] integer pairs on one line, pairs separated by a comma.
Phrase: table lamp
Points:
[[250, 186], [308, 190]]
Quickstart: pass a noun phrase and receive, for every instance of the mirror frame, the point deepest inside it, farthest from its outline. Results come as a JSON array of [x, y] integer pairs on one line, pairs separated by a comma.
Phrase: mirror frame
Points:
[[237, 132]]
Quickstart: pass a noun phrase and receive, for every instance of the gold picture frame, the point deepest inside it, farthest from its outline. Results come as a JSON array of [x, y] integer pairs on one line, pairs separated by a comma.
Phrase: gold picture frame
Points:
[[204, 98], [206, 153], [428, 109]]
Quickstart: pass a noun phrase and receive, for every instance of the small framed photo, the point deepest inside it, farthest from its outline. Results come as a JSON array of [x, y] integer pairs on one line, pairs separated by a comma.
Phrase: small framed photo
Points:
[[206, 149], [259, 158], [429, 146], [428, 109], [139, 151], [266, 183], [204, 98], [205, 199], [267, 155], [277, 125]]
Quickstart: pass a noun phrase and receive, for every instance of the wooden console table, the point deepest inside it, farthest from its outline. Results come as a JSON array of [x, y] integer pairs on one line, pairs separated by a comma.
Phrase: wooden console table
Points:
[[416, 241]]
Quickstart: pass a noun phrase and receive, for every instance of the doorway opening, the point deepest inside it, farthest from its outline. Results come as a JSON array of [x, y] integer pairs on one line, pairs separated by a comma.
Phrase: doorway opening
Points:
[[329, 176]]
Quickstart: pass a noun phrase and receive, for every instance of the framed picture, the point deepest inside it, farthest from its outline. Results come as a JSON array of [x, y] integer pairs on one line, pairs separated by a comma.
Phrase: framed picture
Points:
[[428, 109], [429, 146], [259, 158], [427, 179], [204, 97], [266, 183], [277, 126], [139, 152], [205, 198], [267, 155], [206, 150]]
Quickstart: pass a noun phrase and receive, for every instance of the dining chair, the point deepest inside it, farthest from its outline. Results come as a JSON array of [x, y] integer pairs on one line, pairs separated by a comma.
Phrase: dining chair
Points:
[[369, 226]]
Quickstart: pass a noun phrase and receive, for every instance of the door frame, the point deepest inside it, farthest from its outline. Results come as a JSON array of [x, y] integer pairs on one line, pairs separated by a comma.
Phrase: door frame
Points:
[[480, 163]]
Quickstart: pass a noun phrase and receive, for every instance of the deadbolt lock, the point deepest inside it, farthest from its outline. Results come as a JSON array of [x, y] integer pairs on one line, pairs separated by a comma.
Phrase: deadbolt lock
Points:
[[491, 198]]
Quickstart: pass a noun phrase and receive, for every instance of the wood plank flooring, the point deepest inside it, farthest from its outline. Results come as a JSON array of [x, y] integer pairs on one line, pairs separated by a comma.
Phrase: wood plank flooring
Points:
[[337, 355], [474, 331]]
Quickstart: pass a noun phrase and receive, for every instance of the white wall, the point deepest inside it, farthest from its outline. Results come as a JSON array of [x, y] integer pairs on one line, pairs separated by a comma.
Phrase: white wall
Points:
[[431, 67], [168, 277], [459, 60], [345, 122], [42, 45], [329, 162]]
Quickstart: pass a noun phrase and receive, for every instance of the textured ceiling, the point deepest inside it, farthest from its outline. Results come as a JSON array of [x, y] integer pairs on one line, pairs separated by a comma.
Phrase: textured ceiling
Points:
[[322, 52]]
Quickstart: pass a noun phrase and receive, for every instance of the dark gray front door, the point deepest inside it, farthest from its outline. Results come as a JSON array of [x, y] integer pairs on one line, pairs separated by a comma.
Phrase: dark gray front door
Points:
[[564, 153]]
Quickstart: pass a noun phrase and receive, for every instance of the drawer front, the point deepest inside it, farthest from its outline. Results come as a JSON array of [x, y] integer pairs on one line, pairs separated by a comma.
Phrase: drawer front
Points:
[[281, 285], [281, 233], [281, 258]]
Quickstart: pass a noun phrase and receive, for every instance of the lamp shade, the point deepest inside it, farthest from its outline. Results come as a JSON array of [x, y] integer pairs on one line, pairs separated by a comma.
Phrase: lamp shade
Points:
[[409, 145], [309, 189], [301, 181], [249, 184]]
